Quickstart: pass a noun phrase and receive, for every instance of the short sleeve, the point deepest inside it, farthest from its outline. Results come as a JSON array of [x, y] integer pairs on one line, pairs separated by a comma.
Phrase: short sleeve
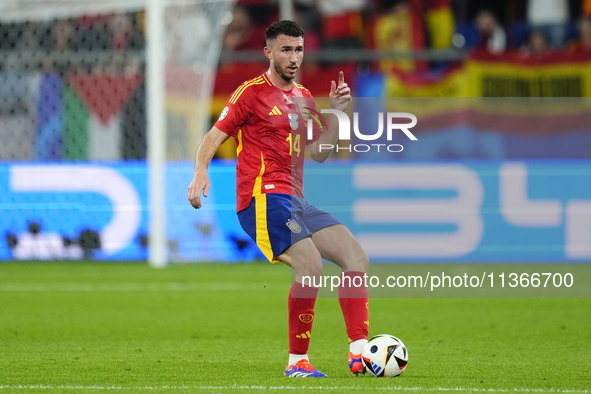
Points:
[[235, 114]]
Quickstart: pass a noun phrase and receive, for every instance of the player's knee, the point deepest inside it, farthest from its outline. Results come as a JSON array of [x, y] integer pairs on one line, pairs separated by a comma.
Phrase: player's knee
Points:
[[361, 260], [358, 260], [309, 264], [313, 267], [364, 262]]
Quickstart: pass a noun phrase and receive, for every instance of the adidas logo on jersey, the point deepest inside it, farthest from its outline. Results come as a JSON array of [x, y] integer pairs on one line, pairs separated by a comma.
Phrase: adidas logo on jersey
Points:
[[275, 111]]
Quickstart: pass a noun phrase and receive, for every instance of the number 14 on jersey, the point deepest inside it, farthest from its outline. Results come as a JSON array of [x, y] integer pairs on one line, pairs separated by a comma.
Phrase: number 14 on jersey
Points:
[[296, 144]]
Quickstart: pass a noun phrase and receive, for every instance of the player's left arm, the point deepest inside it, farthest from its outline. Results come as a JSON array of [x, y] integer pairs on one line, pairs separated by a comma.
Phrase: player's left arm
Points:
[[339, 97]]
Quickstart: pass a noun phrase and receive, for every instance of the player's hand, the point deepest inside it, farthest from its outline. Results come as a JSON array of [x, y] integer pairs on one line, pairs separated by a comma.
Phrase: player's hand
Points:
[[200, 183], [340, 95]]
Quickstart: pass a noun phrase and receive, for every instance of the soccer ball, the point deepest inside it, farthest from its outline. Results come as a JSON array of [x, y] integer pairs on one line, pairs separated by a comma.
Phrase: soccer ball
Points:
[[385, 355]]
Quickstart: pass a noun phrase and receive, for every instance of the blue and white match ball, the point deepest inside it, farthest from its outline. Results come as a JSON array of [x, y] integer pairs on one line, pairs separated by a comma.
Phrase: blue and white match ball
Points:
[[385, 356]]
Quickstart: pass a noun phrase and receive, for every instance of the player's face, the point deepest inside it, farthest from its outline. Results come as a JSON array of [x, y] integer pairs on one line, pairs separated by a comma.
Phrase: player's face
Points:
[[287, 54]]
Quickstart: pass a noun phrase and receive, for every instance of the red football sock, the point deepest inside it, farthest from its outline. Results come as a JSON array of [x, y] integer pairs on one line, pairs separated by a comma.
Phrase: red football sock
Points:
[[354, 304], [300, 308]]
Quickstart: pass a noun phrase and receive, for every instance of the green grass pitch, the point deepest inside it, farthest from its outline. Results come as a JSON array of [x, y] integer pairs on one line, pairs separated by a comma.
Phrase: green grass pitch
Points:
[[89, 327]]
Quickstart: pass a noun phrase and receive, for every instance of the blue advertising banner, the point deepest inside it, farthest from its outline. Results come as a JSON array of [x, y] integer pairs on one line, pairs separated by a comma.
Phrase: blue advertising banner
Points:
[[472, 211], [100, 212], [488, 211], [213, 232], [70, 211]]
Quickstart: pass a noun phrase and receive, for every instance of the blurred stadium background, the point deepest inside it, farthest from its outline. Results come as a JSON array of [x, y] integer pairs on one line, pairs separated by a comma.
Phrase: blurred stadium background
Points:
[[103, 104]]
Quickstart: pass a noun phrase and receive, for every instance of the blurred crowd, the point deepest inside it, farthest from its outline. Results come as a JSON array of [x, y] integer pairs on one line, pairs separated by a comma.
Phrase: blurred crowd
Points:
[[50, 68], [529, 27], [116, 34]]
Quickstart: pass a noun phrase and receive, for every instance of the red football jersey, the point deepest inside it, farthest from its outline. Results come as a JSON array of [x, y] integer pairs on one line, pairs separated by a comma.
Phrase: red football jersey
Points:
[[270, 138]]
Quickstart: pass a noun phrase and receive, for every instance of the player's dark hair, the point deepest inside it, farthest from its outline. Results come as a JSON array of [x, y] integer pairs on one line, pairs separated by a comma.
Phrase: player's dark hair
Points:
[[286, 27]]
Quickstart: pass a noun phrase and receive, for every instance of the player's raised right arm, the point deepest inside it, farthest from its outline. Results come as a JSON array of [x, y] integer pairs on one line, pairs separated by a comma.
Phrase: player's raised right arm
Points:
[[207, 149]]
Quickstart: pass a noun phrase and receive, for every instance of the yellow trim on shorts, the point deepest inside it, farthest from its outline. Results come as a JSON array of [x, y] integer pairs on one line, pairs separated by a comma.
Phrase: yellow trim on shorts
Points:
[[263, 241], [260, 200]]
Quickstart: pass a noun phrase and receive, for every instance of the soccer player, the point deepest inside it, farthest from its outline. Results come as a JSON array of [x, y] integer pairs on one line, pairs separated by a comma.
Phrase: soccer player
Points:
[[269, 134]]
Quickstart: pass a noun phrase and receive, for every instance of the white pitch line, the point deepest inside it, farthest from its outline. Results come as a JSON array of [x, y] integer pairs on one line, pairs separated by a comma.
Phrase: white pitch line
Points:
[[236, 387], [89, 287]]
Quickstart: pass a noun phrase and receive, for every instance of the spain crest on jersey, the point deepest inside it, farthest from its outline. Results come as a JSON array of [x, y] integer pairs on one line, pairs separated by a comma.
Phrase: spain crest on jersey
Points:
[[293, 121], [294, 226]]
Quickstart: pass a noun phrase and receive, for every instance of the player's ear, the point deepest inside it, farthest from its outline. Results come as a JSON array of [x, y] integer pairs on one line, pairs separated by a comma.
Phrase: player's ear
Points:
[[268, 54]]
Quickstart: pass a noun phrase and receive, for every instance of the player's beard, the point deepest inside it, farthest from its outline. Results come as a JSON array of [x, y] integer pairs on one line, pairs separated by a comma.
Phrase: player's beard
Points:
[[281, 72]]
